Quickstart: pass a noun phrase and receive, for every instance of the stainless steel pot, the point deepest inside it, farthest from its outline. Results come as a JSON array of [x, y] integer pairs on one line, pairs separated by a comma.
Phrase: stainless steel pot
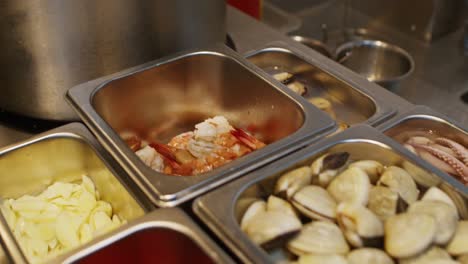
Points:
[[378, 61], [49, 46]]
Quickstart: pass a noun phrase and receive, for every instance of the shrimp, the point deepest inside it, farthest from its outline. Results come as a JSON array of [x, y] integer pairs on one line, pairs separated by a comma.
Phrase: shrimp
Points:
[[213, 143]]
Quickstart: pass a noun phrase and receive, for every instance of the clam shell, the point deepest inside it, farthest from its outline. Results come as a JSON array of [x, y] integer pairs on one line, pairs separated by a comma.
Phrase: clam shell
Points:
[[255, 208], [277, 204], [319, 237], [242, 205], [459, 243], [322, 259], [460, 202], [292, 181], [329, 161], [436, 194], [315, 202], [446, 218], [265, 227], [358, 223], [432, 254], [383, 202], [401, 182], [317, 165], [282, 76], [328, 166], [408, 234], [369, 256], [373, 168], [324, 178], [441, 261], [352, 185], [463, 259], [421, 176]]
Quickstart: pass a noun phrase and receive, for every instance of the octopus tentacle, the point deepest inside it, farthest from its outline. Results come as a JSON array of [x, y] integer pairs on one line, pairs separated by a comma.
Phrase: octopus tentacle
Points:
[[460, 151], [457, 165], [437, 162], [444, 149], [419, 140]]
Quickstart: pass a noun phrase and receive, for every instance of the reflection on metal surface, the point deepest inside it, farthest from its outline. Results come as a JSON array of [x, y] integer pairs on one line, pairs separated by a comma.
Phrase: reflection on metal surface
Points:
[[278, 18], [425, 20], [379, 62], [440, 66], [313, 44], [350, 105], [161, 236], [49, 46], [179, 92], [63, 154], [221, 209], [421, 121]]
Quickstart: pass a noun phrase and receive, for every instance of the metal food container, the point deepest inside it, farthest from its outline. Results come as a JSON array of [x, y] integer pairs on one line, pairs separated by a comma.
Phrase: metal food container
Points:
[[64, 154], [176, 93], [423, 119], [222, 209], [380, 62], [48, 46], [352, 104], [162, 236]]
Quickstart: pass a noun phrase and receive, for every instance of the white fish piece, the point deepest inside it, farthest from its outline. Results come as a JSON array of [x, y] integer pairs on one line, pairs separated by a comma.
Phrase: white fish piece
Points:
[[209, 129], [151, 158]]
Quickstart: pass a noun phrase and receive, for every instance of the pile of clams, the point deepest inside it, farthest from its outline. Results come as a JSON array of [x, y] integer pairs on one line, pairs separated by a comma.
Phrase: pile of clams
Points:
[[342, 211]]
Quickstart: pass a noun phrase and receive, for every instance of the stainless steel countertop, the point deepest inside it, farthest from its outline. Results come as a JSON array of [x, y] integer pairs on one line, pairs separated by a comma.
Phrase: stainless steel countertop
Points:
[[441, 73], [438, 81]]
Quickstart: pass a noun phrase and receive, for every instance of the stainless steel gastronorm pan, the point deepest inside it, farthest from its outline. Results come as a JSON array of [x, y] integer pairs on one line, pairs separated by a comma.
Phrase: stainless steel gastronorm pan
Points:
[[162, 236], [423, 119], [351, 104], [221, 209], [169, 96], [64, 154]]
